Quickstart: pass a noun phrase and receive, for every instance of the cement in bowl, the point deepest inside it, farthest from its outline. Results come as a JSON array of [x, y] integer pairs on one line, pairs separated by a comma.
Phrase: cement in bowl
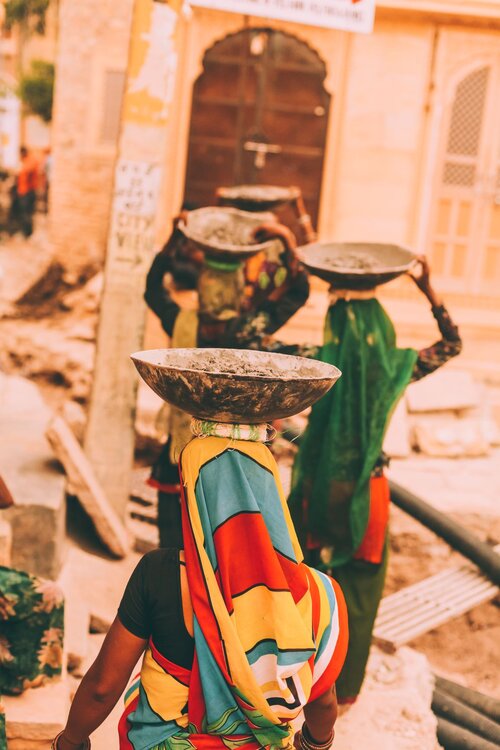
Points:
[[226, 233], [257, 197], [234, 385], [356, 265]]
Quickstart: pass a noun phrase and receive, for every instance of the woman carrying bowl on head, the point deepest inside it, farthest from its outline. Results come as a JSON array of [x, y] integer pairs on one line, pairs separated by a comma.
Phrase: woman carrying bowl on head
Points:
[[340, 497], [238, 634], [226, 317]]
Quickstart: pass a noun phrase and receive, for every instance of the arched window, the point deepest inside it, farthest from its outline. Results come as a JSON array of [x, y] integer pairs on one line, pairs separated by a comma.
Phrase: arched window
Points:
[[465, 224]]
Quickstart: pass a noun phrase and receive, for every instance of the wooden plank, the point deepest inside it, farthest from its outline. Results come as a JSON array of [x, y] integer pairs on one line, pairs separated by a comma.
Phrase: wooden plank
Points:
[[408, 594], [396, 605], [430, 603], [87, 488], [421, 609], [421, 628], [425, 619]]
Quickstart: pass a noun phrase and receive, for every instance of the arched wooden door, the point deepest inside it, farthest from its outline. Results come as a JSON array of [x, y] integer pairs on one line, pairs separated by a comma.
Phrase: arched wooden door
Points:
[[465, 225], [259, 115]]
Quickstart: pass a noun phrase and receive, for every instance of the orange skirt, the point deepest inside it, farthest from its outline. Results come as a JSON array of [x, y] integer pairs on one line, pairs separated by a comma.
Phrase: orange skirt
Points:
[[371, 548]]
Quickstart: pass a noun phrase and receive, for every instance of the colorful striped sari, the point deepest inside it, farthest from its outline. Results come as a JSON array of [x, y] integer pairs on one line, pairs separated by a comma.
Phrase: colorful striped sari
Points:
[[270, 633]]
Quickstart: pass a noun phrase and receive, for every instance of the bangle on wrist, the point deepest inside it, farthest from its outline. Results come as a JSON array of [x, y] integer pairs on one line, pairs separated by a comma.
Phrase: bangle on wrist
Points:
[[85, 743], [309, 743]]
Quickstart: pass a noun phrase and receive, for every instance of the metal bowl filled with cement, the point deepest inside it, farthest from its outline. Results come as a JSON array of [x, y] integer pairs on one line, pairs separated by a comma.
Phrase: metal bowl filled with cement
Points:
[[234, 385], [257, 197], [226, 234], [356, 265]]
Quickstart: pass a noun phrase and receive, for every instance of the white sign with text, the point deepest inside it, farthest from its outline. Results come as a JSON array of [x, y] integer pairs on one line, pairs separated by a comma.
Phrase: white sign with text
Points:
[[135, 200], [349, 15]]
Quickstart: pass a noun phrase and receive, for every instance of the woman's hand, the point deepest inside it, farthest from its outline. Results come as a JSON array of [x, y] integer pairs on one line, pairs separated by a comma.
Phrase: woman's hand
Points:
[[421, 277], [272, 231], [421, 273]]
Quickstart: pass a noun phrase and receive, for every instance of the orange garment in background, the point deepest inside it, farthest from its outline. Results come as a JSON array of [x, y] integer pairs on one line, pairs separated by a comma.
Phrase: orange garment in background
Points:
[[371, 548], [27, 179]]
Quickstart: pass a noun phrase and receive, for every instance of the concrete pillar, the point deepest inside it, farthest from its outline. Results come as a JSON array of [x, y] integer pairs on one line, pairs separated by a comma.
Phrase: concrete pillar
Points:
[[152, 67]]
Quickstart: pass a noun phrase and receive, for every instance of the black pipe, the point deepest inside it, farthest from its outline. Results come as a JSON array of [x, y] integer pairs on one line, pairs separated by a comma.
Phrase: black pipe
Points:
[[447, 707], [452, 532], [452, 737], [485, 704]]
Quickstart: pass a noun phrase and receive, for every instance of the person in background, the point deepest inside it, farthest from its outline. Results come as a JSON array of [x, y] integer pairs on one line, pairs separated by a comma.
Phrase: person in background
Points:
[[26, 187], [216, 672], [340, 496], [31, 629], [45, 177], [224, 319]]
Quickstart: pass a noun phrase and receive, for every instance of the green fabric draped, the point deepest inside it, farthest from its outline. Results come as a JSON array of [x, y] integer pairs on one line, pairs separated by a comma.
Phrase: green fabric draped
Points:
[[344, 437]]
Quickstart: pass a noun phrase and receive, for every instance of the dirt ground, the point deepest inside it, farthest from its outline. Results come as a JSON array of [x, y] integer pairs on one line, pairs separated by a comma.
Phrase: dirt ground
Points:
[[50, 339]]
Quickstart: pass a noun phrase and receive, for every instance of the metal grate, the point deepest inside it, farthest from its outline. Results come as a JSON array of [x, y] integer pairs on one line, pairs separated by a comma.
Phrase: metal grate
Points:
[[459, 174], [467, 114]]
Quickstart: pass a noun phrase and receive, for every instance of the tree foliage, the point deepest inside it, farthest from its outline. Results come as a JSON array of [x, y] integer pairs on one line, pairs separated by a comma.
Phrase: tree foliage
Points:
[[29, 13], [36, 89]]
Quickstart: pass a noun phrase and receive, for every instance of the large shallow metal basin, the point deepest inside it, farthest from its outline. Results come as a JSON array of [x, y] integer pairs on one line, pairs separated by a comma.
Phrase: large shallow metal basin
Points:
[[257, 197], [356, 265], [234, 385], [226, 234]]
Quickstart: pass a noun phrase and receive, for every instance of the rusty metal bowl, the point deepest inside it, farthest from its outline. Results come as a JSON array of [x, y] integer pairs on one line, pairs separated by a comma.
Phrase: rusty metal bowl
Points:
[[226, 234], [356, 265], [257, 197], [234, 385]]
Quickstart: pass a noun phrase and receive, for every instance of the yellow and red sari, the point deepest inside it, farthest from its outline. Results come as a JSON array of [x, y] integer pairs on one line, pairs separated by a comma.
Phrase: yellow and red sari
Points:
[[270, 633]]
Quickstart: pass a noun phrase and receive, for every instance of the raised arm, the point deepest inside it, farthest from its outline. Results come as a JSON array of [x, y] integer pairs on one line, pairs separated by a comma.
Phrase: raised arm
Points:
[[184, 267], [157, 298], [269, 315], [450, 344]]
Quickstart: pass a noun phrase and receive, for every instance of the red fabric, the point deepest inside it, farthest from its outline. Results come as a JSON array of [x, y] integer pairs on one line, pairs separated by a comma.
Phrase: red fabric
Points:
[[235, 539], [167, 489], [371, 548], [331, 673], [27, 179]]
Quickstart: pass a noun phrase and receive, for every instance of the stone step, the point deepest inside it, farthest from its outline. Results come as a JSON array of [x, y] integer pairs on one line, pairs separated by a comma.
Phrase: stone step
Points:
[[34, 718], [37, 519]]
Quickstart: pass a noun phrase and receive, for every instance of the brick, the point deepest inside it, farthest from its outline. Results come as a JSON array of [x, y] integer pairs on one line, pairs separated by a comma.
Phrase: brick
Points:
[[442, 391]]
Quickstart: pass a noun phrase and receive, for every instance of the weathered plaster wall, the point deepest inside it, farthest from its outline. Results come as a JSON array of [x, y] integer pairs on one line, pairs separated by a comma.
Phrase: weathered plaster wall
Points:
[[380, 140], [93, 38]]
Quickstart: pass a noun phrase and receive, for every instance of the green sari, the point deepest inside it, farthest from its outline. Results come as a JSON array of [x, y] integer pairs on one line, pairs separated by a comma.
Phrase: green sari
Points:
[[330, 497]]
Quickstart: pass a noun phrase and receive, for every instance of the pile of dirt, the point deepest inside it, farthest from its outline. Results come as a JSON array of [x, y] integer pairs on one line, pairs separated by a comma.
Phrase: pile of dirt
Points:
[[48, 333]]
